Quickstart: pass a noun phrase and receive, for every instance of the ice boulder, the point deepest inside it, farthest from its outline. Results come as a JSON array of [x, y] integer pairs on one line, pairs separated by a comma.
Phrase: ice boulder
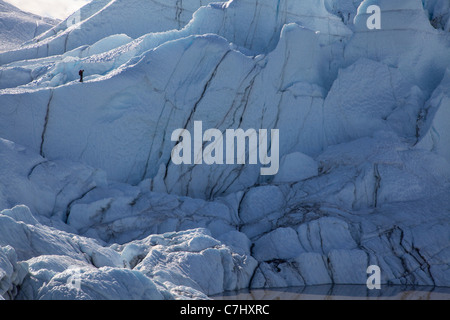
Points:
[[282, 243], [325, 234], [277, 274], [12, 272], [261, 202], [41, 270], [176, 265], [194, 259], [238, 241], [21, 213], [101, 284], [296, 167], [30, 241]]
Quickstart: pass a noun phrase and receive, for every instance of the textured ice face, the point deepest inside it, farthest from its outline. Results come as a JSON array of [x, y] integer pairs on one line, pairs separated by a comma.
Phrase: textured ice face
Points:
[[321, 87], [364, 169]]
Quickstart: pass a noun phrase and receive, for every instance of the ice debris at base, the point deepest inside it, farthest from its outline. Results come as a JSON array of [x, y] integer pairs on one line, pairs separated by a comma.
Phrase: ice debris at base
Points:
[[91, 206], [60, 265]]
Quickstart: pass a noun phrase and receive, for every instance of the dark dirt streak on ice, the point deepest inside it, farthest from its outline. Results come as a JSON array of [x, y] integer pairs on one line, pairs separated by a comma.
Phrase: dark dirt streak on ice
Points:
[[47, 115]]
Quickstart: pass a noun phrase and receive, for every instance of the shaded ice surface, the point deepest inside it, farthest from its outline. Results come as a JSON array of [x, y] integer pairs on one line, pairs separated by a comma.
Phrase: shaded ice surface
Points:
[[91, 206]]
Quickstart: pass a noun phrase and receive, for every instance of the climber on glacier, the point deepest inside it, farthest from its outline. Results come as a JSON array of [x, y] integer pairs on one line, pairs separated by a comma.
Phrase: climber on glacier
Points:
[[80, 73]]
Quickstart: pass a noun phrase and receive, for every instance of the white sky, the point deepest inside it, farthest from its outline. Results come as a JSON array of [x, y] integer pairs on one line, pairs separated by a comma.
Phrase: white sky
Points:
[[59, 9]]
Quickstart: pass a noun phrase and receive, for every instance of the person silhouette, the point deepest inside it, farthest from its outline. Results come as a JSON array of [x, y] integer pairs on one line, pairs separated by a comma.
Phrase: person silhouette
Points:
[[80, 73]]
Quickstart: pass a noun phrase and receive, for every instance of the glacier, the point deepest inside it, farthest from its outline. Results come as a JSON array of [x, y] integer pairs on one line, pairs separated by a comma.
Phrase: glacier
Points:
[[91, 206], [18, 27]]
